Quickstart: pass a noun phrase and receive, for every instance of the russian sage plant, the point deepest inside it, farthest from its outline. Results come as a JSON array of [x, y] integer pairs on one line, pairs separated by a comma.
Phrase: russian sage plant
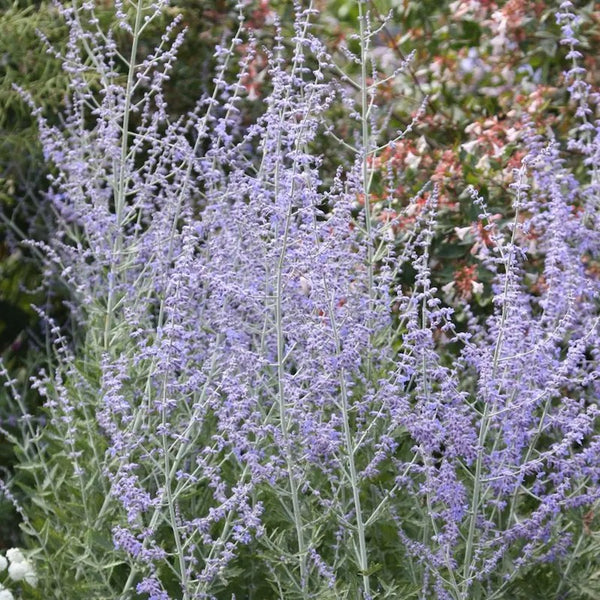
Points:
[[253, 404]]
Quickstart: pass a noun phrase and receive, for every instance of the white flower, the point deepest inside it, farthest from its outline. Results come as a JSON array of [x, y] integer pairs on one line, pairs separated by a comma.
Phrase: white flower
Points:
[[474, 128], [412, 160], [15, 555], [461, 232], [3, 563], [469, 147], [512, 134], [483, 164], [477, 287], [6, 594], [448, 288], [19, 571]]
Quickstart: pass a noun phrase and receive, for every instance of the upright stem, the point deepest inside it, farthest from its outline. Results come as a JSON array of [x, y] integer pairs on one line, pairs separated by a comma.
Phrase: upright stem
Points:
[[284, 420], [283, 416], [119, 191], [365, 133], [362, 554], [485, 418], [363, 559]]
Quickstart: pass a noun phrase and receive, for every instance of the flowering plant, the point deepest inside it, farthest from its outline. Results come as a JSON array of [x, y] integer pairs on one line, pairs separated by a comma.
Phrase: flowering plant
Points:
[[264, 394]]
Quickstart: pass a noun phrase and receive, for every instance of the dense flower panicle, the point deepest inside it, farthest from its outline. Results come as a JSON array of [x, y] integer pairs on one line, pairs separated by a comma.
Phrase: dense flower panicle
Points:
[[264, 378]]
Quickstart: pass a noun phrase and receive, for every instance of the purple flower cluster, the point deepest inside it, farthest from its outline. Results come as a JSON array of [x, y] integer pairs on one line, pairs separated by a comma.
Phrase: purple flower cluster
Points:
[[264, 381]]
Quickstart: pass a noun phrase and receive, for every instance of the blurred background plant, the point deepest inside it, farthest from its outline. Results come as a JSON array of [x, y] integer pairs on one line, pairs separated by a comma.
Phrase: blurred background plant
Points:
[[487, 67]]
